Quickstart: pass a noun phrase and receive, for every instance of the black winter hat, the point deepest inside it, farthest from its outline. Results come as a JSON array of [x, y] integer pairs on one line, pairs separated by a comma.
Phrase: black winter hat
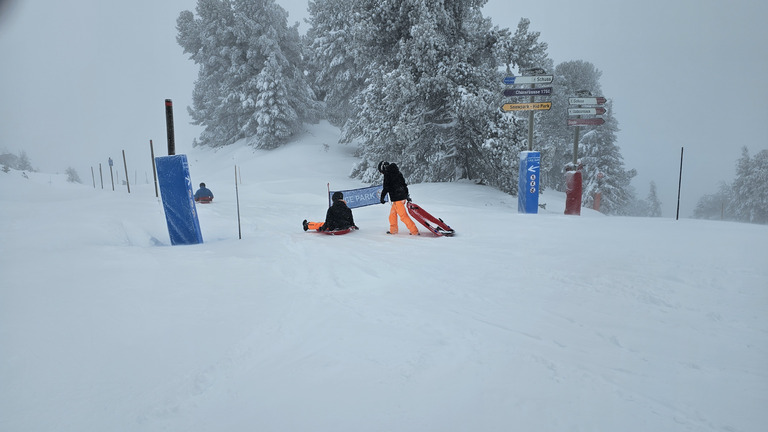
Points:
[[382, 166], [337, 196], [202, 184]]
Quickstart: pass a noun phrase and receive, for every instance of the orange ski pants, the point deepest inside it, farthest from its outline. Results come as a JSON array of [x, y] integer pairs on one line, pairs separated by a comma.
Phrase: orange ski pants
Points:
[[398, 209], [314, 225]]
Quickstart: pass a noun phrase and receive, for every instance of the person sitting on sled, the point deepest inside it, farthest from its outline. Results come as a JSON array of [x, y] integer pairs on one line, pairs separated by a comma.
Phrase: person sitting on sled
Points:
[[395, 186], [203, 195], [338, 216]]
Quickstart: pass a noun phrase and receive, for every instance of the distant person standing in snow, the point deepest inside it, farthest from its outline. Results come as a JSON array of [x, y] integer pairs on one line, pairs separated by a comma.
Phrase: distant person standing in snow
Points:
[[338, 216], [203, 195], [395, 186]]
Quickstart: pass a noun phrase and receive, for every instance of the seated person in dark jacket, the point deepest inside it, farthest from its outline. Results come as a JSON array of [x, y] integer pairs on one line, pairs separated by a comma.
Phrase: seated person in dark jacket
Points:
[[338, 216], [203, 195]]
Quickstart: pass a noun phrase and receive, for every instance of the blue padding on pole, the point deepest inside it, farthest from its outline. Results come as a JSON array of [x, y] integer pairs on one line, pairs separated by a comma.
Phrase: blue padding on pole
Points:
[[178, 202], [528, 186]]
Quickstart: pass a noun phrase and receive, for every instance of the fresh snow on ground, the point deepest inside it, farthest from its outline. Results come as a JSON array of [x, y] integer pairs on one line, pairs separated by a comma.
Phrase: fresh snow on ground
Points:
[[540, 322]]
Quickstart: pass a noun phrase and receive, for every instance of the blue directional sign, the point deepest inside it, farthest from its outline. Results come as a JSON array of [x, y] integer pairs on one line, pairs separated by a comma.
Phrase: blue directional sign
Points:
[[528, 186]]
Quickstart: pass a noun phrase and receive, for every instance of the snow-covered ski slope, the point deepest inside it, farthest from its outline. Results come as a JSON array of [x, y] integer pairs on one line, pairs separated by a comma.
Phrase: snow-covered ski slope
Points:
[[518, 323]]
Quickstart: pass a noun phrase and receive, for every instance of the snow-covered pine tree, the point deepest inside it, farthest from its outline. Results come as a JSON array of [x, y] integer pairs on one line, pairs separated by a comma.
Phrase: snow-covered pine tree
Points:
[[334, 67], [23, 162], [741, 186], [72, 175], [654, 204], [9, 159], [570, 77], [232, 41], [523, 50], [524, 53], [208, 39], [759, 181], [715, 206], [274, 119], [749, 202], [746, 199], [598, 152], [432, 92]]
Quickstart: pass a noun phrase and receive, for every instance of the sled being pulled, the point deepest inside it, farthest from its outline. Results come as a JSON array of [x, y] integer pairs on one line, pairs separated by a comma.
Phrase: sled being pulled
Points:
[[435, 225]]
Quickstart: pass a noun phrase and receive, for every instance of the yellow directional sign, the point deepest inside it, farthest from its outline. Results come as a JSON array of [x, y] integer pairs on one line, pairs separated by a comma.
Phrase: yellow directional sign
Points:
[[527, 106]]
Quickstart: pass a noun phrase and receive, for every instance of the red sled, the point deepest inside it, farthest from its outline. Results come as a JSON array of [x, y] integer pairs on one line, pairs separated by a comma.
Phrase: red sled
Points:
[[331, 232], [338, 231], [435, 225]]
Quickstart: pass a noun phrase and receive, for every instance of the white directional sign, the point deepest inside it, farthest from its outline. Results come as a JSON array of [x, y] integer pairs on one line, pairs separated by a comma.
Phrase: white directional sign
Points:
[[587, 101], [586, 111], [532, 79]]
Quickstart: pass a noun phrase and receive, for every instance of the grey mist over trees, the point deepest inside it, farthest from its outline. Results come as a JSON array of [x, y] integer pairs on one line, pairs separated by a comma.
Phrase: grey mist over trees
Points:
[[18, 162], [603, 166], [418, 82], [744, 200], [251, 81], [21, 162]]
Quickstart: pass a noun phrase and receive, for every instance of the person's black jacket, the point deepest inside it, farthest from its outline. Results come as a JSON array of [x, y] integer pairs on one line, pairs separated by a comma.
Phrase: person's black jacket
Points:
[[394, 184], [338, 216]]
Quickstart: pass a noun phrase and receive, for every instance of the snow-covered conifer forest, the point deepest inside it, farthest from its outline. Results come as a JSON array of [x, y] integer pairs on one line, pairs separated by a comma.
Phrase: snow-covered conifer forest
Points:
[[414, 81]]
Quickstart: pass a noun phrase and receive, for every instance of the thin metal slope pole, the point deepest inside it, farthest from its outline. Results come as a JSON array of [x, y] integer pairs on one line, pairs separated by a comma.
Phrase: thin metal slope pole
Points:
[[679, 183], [237, 196]]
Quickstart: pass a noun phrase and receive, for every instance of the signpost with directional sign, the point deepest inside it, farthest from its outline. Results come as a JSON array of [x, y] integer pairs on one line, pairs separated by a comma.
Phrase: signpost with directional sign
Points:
[[587, 100], [573, 175], [529, 79], [542, 91], [530, 161], [586, 111], [586, 121], [527, 106]]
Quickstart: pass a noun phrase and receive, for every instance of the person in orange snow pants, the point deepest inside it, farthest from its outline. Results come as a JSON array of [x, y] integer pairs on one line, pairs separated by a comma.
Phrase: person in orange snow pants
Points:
[[395, 186]]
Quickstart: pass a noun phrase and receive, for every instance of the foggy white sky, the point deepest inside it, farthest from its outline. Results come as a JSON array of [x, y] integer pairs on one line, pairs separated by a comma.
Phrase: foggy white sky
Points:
[[82, 80]]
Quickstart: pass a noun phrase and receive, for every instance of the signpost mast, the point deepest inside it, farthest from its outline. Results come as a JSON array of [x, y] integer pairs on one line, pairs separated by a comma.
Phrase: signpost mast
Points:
[[573, 187], [532, 71], [530, 161]]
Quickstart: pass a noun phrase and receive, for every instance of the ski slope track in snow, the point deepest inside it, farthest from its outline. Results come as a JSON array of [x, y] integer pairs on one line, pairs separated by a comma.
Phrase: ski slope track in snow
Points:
[[540, 322]]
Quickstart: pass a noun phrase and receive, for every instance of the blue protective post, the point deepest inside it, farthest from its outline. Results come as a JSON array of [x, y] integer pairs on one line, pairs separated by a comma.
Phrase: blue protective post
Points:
[[528, 186], [178, 200]]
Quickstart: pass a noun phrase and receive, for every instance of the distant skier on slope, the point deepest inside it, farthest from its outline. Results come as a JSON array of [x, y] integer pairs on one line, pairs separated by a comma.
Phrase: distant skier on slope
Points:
[[338, 217], [395, 186]]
